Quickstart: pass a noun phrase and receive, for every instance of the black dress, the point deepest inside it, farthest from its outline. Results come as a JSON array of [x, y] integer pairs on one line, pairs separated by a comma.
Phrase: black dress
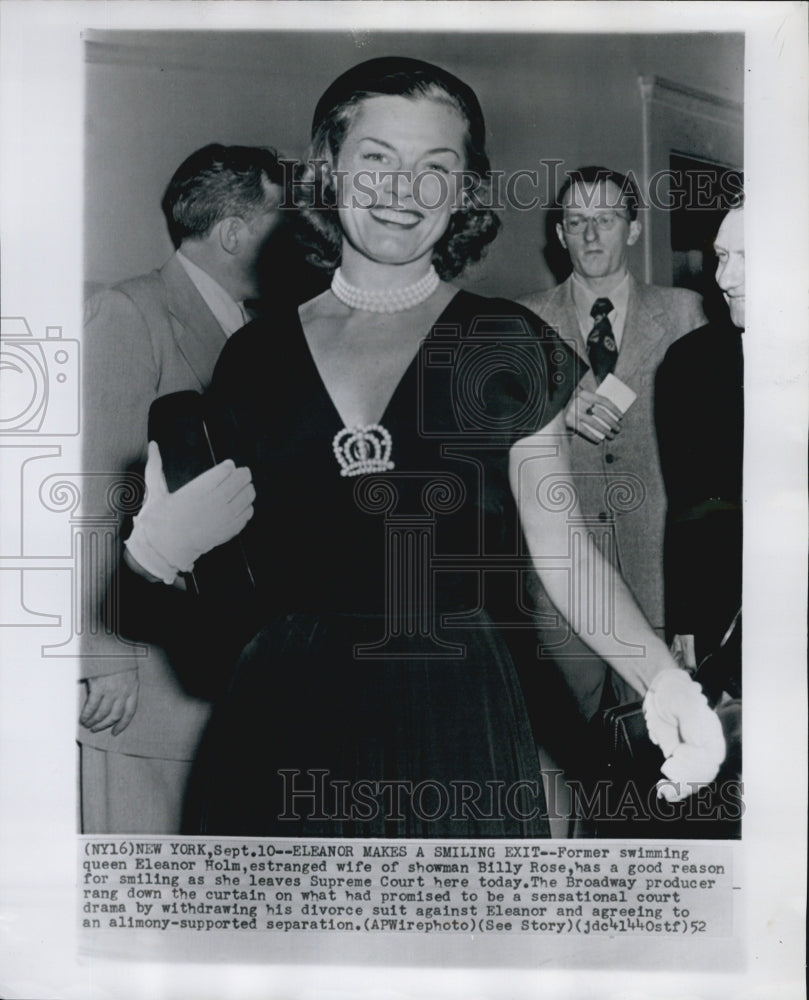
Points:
[[378, 697]]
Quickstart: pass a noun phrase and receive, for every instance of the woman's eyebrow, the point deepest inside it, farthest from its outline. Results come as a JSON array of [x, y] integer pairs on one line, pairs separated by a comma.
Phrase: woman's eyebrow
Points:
[[428, 152]]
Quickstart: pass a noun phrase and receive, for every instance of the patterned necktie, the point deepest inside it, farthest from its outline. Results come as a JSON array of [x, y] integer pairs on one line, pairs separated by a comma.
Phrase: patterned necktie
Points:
[[601, 347]]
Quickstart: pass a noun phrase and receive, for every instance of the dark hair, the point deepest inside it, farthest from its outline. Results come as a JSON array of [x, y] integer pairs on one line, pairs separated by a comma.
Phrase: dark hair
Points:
[[471, 227], [600, 175], [216, 182]]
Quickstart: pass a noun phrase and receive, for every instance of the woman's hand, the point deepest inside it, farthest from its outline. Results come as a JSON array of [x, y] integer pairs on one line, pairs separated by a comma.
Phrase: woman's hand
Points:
[[173, 530], [686, 729]]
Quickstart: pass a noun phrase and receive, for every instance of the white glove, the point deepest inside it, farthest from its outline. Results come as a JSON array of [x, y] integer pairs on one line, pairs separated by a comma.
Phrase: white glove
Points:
[[173, 530], [686, 729]]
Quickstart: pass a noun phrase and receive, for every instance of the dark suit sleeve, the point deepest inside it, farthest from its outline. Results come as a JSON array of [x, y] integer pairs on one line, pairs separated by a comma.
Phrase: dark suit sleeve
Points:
[[671, 441], [674, 436], [699, 424], [687, 530]]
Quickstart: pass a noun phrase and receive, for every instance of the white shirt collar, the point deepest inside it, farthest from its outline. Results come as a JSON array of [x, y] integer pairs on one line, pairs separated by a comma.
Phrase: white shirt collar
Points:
[[229, 314], [584, 297]]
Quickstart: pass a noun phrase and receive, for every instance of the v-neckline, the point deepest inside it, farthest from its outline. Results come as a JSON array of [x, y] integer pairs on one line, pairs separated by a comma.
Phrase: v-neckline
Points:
[[402, 379]]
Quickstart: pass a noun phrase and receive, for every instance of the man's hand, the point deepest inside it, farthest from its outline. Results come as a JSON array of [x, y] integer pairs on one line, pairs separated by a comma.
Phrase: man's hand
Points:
[[111, 701], [593, 416], [684, 652]]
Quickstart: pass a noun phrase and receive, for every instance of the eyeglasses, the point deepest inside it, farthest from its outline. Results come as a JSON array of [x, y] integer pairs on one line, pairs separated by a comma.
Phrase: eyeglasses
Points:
[[578, 223]]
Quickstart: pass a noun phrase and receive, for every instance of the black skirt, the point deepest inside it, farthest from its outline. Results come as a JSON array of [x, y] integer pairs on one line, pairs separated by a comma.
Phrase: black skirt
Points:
[[320, 735]]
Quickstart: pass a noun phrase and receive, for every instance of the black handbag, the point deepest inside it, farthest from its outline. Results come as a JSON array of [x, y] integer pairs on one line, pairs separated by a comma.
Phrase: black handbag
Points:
[[627, 748], [625, 739], [627, 763], [194, 434]]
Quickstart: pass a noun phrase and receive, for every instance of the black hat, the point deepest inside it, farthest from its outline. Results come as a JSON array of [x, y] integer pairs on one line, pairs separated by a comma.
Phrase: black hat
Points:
[[396, 76]]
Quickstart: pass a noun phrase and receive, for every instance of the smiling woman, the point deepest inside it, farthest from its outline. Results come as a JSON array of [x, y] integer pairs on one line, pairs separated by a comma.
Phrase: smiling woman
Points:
[[463, 183], [394, 199], [408, 437]]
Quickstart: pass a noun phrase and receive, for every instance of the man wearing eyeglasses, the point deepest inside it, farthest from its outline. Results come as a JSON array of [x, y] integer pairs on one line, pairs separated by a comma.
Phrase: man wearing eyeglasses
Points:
[[622, 328]]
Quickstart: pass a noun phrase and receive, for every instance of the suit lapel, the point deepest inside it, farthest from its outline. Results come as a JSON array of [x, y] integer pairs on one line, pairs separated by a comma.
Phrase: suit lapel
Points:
[[643, 329], [198, 334], [560, 313]]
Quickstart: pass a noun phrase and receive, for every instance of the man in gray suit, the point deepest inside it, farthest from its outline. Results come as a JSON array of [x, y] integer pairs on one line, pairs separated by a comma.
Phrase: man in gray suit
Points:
[[146, 337], [620, 326]]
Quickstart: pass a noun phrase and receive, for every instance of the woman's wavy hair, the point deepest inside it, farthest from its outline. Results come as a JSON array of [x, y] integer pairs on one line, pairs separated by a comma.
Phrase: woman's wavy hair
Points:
[[471, 227]]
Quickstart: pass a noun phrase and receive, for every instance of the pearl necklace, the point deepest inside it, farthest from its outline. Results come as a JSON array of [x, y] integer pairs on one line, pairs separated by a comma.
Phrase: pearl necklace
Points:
[[392, 300]]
